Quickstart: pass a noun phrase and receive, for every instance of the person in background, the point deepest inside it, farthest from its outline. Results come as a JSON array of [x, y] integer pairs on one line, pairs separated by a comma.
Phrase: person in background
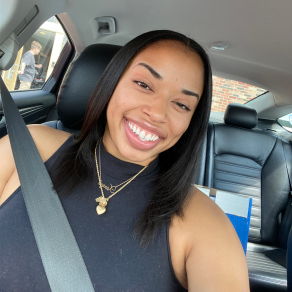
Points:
[[27, 66]]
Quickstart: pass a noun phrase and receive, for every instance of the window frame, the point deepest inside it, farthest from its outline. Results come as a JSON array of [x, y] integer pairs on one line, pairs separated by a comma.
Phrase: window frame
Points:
[[67, 54]]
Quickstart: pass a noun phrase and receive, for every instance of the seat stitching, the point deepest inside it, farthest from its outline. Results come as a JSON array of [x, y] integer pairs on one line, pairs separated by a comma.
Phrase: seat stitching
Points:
[[238, 165], [255, 217], [235, 174], [255, 207], [229, 182]]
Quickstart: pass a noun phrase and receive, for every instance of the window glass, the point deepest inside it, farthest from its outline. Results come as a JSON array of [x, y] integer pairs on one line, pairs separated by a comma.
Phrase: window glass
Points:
[[227, 91], [286, 122], [36, 59]]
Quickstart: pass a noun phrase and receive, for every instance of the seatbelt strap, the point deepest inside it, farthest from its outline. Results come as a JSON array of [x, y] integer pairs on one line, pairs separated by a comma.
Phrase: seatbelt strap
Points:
[[60, 254]]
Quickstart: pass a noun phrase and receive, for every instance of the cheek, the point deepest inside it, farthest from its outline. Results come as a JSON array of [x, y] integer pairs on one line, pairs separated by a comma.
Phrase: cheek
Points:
[[179, 126], [115, 104], [120, 100]]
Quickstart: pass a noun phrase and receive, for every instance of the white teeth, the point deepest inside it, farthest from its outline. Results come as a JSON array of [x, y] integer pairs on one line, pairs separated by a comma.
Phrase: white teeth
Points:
[[147, 137], [154, 138], [142, 135], [130, 125]]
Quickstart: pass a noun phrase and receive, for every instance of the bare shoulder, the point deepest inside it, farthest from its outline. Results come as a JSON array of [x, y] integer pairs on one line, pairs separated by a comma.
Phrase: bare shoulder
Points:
[[47, 140], [214, 257], [216, 260]]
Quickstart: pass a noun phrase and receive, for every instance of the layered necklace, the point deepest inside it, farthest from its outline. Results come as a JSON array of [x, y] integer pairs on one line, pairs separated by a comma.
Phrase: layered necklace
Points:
[[101, 208]]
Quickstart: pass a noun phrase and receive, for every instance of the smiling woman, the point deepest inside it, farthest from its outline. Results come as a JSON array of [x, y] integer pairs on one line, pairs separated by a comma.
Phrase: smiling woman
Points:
[[156, 100], [128, 91], [136, 152]]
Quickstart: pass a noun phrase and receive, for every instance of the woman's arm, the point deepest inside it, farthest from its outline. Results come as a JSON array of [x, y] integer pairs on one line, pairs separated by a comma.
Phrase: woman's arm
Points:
[[215, 260], [7, 165], [47, 140]]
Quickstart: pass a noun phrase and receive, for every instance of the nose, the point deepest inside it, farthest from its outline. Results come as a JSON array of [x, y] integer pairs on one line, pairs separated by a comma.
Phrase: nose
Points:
[[156, 109]]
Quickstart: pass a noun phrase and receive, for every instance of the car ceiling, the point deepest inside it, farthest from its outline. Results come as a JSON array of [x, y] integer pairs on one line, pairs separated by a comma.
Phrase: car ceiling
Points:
[[259, 32]]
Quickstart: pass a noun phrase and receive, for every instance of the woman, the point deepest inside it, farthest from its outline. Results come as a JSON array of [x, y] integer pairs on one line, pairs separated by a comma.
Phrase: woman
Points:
[[125, 181]]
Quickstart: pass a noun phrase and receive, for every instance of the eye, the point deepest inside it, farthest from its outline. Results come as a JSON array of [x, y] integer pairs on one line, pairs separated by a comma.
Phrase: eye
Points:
[[142, 84], [182, 106]]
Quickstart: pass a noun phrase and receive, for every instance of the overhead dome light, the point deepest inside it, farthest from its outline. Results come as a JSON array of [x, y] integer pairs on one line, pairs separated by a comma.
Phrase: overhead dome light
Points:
[[220, 46]]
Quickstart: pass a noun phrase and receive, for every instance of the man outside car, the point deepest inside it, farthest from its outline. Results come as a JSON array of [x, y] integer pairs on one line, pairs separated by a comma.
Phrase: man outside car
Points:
[[27, 66]]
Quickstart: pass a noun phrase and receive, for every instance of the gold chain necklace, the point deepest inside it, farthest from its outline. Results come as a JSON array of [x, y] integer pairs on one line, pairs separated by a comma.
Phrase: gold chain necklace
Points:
[[101, 208], [112, 188]]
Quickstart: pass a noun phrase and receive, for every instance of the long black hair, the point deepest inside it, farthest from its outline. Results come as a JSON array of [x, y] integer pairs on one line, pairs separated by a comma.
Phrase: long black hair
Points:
[[173, 184]]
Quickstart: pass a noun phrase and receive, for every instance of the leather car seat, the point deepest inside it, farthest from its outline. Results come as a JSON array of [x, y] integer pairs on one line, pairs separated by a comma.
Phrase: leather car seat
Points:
[[245, 160], [78, 83]]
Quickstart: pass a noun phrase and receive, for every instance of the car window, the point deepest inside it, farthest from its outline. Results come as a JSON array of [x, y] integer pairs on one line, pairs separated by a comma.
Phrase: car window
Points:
[[286, 122], [36, 59], [227, 91]]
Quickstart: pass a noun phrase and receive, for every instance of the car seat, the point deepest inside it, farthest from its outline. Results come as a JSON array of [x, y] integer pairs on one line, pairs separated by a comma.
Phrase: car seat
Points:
[[78, 83], [245, 160]]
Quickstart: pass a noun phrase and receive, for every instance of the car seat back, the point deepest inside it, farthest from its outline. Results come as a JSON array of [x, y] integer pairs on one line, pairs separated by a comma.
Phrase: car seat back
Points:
[[245, 160], [78, 84]]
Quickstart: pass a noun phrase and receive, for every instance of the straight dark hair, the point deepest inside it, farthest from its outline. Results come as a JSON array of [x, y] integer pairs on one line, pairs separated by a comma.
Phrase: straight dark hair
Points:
[[173, 184]]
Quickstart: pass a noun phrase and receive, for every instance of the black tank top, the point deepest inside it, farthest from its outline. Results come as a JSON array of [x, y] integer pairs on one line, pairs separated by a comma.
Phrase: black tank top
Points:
[[113, 256]]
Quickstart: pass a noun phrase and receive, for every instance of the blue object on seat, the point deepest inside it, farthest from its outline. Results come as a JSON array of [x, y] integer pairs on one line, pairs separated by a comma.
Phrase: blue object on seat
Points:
[[238, 210], [241, 226]]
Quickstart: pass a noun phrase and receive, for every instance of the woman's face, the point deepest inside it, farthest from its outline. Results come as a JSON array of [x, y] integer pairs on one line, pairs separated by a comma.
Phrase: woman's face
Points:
[[154, 102]]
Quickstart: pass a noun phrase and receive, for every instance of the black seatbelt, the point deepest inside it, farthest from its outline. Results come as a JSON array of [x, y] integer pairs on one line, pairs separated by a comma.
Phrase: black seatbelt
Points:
[[60, 254]]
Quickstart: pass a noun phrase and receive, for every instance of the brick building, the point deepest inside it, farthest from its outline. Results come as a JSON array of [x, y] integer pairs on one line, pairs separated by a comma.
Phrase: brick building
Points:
[[227, 91]]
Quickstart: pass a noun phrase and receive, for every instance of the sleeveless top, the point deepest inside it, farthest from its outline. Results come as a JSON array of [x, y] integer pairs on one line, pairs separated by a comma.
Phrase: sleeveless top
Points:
[[115, 261]]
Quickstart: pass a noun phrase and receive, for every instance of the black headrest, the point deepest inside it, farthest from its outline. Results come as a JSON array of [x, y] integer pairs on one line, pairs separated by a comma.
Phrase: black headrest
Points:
[[79, 81], [240, 115]]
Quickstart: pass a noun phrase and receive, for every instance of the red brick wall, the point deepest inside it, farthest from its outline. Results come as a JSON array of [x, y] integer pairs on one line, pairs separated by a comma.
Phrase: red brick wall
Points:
[[227, 91]]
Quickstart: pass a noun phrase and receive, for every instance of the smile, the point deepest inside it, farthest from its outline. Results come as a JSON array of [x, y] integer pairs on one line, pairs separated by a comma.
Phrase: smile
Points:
[[143, 135]]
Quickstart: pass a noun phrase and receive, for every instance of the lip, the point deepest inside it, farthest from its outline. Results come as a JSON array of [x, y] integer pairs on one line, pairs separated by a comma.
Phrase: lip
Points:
[[147, 126], [136, 142]]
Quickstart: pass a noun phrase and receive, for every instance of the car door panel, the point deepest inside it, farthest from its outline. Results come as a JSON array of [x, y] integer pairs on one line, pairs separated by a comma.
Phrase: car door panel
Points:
[[34, 106]]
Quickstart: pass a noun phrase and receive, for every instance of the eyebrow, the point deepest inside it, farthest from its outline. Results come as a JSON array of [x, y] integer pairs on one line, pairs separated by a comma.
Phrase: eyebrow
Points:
[[152, 71], [159, 77], [187, 92]]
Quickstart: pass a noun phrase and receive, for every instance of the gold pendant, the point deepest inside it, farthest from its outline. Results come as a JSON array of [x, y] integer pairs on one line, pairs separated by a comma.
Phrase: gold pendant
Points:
[[100, 209]]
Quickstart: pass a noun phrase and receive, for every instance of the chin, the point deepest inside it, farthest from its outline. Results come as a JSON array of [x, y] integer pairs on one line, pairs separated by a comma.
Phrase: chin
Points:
[[137, 156]]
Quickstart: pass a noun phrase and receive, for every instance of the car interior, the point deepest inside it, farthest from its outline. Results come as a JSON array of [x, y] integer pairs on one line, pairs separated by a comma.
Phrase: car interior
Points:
[[246, 149]]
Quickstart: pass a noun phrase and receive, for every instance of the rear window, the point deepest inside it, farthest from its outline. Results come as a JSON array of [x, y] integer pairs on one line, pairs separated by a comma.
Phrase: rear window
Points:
[[286, 122], [227, 91]]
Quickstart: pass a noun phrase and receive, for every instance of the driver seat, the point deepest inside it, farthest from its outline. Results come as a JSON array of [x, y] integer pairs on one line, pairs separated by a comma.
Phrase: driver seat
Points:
[[78, 84]]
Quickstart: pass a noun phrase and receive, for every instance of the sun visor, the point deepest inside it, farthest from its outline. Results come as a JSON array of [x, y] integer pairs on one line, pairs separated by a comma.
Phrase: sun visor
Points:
[[8, 52]]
